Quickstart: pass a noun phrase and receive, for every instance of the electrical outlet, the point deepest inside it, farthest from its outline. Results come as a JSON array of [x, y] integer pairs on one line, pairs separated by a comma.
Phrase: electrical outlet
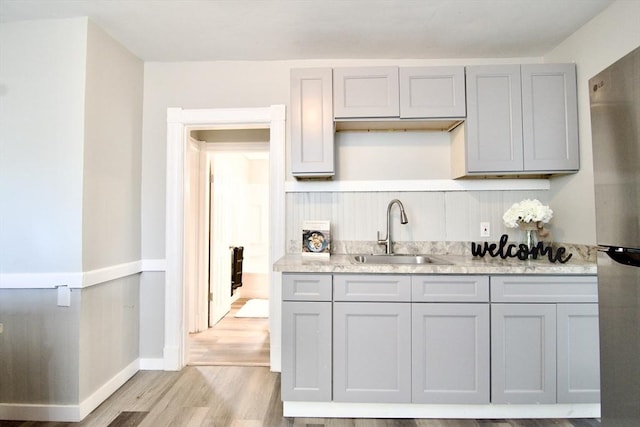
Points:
[[485, 229], [1, 328]]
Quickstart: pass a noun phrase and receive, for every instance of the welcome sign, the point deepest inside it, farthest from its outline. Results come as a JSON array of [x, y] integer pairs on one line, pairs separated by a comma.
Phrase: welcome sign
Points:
[[506, 250]]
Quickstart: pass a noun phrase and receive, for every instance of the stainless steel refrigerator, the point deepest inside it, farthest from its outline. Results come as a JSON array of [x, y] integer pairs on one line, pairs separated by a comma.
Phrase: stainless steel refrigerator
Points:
[[615, 127]]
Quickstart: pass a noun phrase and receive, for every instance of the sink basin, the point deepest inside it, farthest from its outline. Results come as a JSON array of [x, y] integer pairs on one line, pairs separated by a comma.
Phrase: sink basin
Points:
[[398, 259]]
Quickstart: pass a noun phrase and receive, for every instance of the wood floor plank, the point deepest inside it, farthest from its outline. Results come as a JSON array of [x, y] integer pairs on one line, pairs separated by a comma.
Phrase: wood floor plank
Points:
[[128, 419], [238, 396], [233, 341]]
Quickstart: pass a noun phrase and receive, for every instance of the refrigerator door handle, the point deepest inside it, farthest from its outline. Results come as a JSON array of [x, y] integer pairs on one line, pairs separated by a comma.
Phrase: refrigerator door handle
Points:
[[626, 256]]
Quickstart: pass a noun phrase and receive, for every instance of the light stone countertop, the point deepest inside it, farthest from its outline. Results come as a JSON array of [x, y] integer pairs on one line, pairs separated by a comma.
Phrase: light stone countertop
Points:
[[459, 264]]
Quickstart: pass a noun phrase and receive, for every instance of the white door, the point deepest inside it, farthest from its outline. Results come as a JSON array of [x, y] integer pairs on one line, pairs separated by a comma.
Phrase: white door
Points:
[[228, 214]]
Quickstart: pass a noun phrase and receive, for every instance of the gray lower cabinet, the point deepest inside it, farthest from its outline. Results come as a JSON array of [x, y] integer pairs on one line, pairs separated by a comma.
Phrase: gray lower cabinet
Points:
[[306, 337], [578, 353], [450, 353], [372, 352], [544, 339], [440, 339], [523, 353]]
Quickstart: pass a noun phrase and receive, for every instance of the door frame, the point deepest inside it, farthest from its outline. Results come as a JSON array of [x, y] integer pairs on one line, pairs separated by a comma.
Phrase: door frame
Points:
[[179, 123]]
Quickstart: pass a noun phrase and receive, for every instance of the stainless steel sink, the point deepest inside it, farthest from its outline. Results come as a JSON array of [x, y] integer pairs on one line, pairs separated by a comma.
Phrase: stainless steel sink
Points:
[[398, 259]]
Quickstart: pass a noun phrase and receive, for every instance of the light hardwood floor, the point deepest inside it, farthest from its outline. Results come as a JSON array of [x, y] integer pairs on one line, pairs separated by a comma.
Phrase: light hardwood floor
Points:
[[229, 395], [236, 396], [233, 341]]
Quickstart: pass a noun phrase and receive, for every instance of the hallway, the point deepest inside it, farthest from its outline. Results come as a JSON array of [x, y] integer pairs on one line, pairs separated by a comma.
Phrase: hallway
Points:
[[233, 341]]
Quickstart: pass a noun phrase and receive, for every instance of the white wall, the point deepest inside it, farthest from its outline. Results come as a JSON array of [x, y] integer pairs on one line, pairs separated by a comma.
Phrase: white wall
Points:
[[42, 77], [606, 38], [111, 209], [112, 153]]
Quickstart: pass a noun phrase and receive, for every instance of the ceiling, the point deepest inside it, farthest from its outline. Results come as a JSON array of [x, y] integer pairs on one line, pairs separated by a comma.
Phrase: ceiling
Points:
[[212, 30]]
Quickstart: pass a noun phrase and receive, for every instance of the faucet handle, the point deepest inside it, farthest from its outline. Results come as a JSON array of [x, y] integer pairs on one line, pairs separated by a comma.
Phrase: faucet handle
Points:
[[381, 241]]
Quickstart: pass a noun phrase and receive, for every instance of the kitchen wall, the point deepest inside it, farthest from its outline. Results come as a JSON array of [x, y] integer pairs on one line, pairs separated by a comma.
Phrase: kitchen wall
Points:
[[258, 84]]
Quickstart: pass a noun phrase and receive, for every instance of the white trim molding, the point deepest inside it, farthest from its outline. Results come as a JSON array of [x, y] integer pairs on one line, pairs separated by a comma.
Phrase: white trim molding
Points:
[[78, 280], [179, 123], [68, 413], [417, 185], [412, 410]]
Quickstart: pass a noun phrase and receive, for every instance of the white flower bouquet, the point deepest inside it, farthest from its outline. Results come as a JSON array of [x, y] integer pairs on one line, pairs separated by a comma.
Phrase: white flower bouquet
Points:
[[527, 212]]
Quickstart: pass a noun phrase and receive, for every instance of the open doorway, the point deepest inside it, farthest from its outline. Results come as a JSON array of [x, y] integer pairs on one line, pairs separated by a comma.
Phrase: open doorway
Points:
[[228, 196], [179, 123]]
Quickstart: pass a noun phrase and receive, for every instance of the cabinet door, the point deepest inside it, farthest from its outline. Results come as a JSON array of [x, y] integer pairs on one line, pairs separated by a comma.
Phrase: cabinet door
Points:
[[550, 117], [361, 92], [311, 123], [523, 353], [578, 353], [450, 347], [432, 92], [494, 119], [372, 352], [306, 351]]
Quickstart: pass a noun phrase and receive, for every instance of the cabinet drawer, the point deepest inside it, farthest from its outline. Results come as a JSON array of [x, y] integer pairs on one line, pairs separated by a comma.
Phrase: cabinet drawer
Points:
[[544, 289], [306, 287], [364, 287], [450, 288]]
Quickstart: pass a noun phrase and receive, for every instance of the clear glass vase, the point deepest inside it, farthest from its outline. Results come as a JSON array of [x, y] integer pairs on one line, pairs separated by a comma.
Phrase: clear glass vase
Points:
[[530, 237]]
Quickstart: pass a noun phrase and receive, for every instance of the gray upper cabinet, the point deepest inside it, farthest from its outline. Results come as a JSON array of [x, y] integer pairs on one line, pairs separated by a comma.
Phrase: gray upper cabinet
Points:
[[494, 119], [364, 92], [550, 117], [312, 151], [520, 120], [432, 92]]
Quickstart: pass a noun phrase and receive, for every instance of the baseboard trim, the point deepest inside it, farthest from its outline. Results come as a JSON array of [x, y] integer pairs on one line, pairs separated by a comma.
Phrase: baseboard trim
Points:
[[26, 412], [108, 388], [68, 413], [156, 364], [410, 410]]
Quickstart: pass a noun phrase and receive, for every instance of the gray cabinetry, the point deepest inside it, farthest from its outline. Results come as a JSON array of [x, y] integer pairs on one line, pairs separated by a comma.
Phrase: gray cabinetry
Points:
[[550, 117], [306, 337], [544, 346], [312, 151], [372, 352], [450, 353], [520, 119], [361, 92], [372, 340], [494, 119], [450, 341], [523, 352], [432, 92], [578, 353]]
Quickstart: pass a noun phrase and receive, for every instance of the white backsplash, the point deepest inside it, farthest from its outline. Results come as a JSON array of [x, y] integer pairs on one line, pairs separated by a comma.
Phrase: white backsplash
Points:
[[439, 222]]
